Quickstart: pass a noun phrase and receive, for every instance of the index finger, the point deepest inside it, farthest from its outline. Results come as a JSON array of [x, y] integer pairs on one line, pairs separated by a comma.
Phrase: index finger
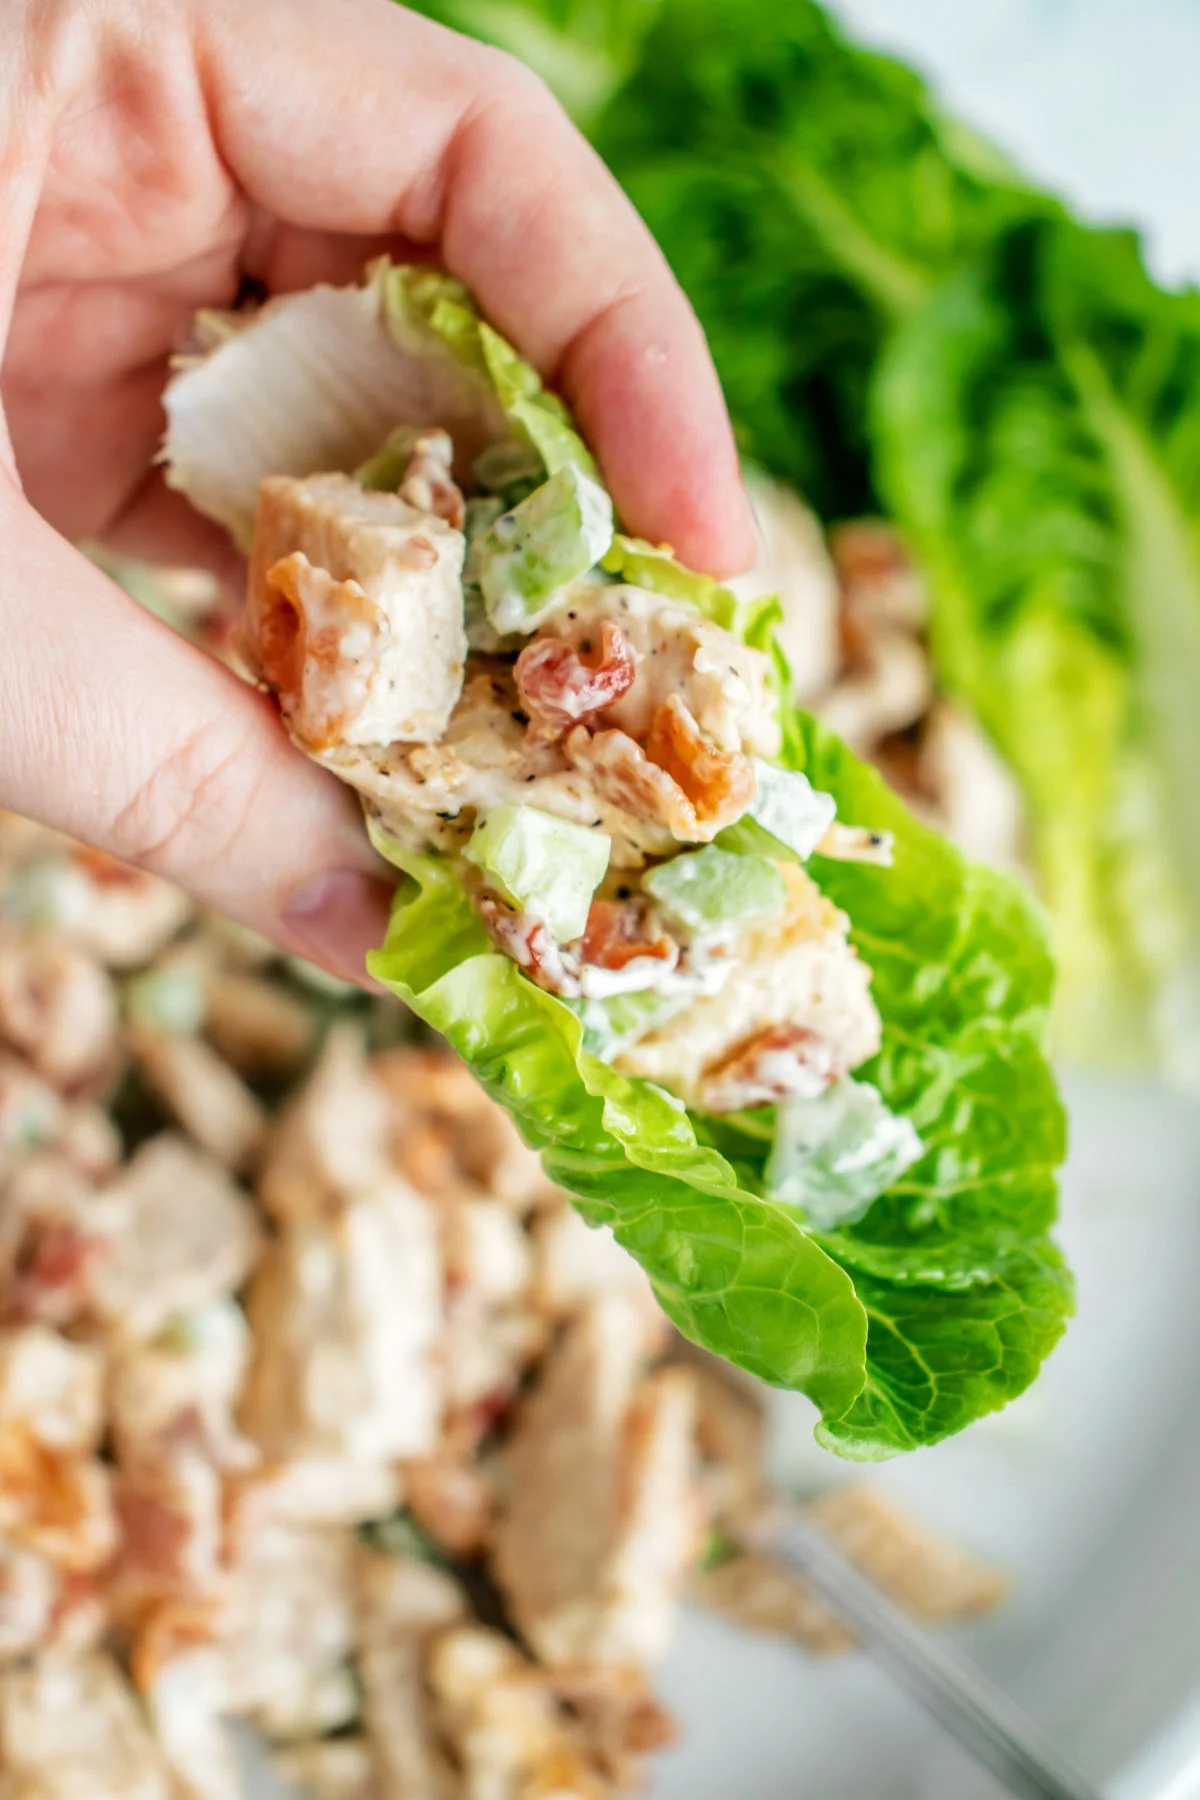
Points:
[[356, 116]]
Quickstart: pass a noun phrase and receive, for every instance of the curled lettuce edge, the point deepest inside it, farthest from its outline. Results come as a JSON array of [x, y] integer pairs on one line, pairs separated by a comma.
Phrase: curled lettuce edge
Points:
[[942, 1302]]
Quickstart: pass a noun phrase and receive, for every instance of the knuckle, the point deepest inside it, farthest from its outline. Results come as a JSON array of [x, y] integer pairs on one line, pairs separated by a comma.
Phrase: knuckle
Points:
[[189, 813]]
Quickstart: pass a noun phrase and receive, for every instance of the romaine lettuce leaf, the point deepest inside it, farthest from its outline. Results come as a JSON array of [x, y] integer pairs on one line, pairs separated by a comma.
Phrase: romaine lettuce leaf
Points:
[[1040, 442], [861, 1320]]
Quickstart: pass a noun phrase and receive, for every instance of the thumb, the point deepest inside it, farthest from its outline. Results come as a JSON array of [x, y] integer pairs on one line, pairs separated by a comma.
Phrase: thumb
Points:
[[116, 731]]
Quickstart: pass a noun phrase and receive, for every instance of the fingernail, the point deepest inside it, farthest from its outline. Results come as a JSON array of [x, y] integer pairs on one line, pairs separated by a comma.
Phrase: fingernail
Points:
[[334, 919]]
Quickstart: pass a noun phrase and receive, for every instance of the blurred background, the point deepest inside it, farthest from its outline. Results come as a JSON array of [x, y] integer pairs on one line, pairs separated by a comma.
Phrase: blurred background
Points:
[[942, 256]]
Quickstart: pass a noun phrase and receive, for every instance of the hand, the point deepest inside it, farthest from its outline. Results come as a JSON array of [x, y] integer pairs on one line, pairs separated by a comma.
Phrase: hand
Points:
[[154, 154]]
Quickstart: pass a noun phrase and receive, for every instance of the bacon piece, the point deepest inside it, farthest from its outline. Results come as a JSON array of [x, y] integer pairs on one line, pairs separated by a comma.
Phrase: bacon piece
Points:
[[561, 685], [429, 484], [620, 771], [782, 1062], [618, 934], [719, 783], [530, 945]]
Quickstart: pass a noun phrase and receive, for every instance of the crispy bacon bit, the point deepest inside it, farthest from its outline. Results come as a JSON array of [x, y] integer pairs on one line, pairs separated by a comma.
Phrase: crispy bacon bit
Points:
[[57, 1504], [781, 1062], [719, 783], [429, 484], [52, 1273], [282, 634], [619, 770], [561, 686], [530, 945], [618, 933]]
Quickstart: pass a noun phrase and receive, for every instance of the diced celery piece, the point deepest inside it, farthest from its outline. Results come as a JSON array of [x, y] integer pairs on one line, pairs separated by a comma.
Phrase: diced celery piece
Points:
[[712, 889], [531, 553], [787, 817], [834, 1156], [547, 867], [610, 1026], [170, 999]]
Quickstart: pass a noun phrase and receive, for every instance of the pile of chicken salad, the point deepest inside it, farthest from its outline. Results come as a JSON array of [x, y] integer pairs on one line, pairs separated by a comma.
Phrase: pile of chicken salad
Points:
[[321, 1411], [756, 1018]]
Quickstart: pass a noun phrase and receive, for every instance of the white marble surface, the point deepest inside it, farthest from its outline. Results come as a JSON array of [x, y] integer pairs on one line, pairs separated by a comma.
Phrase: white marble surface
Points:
[[1095, 97]]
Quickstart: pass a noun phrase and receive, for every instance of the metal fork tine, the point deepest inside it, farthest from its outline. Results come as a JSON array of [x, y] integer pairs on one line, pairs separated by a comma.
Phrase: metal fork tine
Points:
[[958, 1695]]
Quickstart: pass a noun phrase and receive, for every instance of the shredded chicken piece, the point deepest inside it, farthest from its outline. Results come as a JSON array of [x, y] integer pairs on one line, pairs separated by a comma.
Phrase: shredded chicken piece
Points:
[[70, 1729], [288, 1652], [797, 972], [400, 1605], [562, 685], [255, 1025], [189, 1379], [920, 1569], [57, 1008], [51, 1389], [330, 1769], [120, 915], [204, 1095], [452, 1500], [429, 483], [345, 1313], [601, 1520], [178, 1235], [575, 1262], [780, 1062], [29, 1587], [332, 1141], [187, 1701], [503, 1723]]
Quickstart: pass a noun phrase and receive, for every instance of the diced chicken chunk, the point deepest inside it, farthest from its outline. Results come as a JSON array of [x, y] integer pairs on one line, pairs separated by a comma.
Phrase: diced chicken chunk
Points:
[[601, 1519], [330, 1769], [52, 1389], [332, 1141], [574, 1262], [794, 1013], [501, 1718], [57, 1008], [288, 1658], [72, 1730], [189, 1378], [400, 1605], [308, 1491], [345, 1314], [179, 1236], [29, 1588], [355, 612], [258, 1026], [186, 1705]]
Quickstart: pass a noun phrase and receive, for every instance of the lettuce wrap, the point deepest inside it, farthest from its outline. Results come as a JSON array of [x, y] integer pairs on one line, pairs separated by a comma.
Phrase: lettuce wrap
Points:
[[854, 1203]]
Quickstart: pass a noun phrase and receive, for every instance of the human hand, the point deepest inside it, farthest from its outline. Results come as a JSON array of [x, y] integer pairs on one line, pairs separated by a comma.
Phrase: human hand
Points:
[[154, 155]]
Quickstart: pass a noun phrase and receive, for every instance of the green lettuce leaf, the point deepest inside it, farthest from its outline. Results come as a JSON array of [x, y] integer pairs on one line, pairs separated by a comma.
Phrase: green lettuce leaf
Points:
[[861, 1320], [1040, 442]]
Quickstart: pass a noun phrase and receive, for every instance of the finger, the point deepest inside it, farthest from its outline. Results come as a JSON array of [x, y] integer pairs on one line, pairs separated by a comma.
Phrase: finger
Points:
[[381, 122], [114, 730]]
